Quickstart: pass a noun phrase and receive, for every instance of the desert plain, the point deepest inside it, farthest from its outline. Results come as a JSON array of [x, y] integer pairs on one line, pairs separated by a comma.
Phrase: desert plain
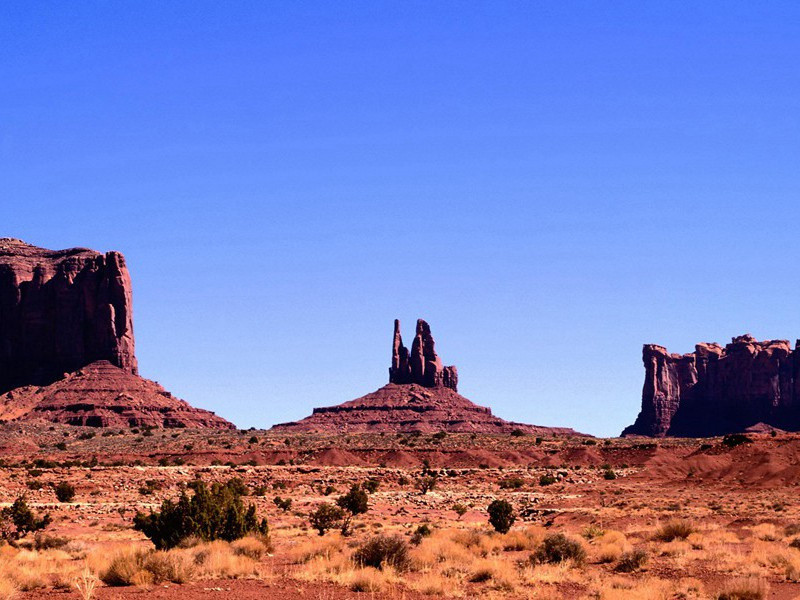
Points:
[[623, 518]]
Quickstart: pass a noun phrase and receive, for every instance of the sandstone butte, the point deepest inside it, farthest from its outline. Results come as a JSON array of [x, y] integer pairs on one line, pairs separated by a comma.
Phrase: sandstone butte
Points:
[[67, 344], [421, 396], [747, 385]]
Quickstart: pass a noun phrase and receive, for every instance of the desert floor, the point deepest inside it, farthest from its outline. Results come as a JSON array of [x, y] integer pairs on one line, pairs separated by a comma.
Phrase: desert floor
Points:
[[655, 519]]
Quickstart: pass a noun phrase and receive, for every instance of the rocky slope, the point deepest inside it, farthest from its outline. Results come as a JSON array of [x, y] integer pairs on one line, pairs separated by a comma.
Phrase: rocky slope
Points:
[[67, 345], [716, 390], [420, 397], [103, 395]]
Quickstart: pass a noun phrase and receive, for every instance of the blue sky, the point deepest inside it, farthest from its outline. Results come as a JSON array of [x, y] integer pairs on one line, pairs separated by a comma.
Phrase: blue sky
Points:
[[549, 184]]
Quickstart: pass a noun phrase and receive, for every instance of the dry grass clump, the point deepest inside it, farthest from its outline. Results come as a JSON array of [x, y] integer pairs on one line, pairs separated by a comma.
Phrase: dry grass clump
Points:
[[766, 532], [649, 589], [522, 539], [674, 529], [28, 570], [317, 547], [500, 573], [366, 580], [609, 546], [631, 561], [743, 589], [217, 559], [252, 547]]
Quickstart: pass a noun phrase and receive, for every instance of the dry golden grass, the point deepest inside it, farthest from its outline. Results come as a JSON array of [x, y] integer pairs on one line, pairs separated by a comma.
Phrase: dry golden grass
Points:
[[608, 547], [743, 589], [8, 589]]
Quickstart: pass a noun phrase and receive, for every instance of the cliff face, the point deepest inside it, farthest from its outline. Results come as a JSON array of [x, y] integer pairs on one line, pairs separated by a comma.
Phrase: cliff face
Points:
[[66, 344], [61, 310], [422, 365], [716, 390]]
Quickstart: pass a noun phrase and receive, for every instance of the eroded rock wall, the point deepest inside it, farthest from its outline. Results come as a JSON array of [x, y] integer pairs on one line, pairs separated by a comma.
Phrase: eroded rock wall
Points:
[[716, 390]]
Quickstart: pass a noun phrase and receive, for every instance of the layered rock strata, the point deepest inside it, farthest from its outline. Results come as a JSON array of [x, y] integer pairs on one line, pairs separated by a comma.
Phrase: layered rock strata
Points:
[[61, 310], [716, 390], [67, 345]]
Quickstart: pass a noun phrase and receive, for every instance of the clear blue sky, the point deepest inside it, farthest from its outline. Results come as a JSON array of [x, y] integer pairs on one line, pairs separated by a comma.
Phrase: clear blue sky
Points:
[[549, 184]]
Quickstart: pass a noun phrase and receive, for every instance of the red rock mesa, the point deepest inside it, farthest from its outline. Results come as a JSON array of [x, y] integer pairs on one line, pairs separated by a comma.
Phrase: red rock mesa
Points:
[[67, 346], [716, 390]]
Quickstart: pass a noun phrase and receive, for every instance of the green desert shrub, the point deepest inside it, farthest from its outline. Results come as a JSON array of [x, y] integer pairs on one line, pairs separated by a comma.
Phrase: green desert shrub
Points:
[[547, 479], [383, 550], [326, 516], [18, 520], [210, 514], [65, 492], [557, 548], [501, 515]]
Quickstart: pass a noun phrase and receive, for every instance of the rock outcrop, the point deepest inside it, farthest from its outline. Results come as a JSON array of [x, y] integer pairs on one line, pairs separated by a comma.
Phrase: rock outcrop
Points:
[[61, 310], [67, 346], [422, 366], [421, 397], [716, 390]]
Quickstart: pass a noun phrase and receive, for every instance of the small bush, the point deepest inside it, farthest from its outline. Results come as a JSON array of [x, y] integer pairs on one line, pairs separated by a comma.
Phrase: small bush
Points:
[[460, 510], [547, 479], [609, 475], [426, 484], [383, 550], [501, 515], [354, 503], [18, 520], [736, 439], [326, 516], [421, 532], [631, 561], [517, 433], [284, 504], [371, 485], [512, 483], [65, 492], [212, 513], [675, 529], [557, 548]]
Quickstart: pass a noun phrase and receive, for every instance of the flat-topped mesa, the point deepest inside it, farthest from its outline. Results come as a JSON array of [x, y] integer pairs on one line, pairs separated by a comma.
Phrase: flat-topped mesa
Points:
[[61, 310], [422, 365], [66, 344], [716, 390]]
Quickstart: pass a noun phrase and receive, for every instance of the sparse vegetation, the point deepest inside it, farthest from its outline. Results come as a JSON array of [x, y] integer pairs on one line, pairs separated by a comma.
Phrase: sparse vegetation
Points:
[[325, 517], [283, 504], [558, 548], [18, 520], [210, 514], [382, 551], [674, 529], [65, 492], [501, 515], [632, 561]]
